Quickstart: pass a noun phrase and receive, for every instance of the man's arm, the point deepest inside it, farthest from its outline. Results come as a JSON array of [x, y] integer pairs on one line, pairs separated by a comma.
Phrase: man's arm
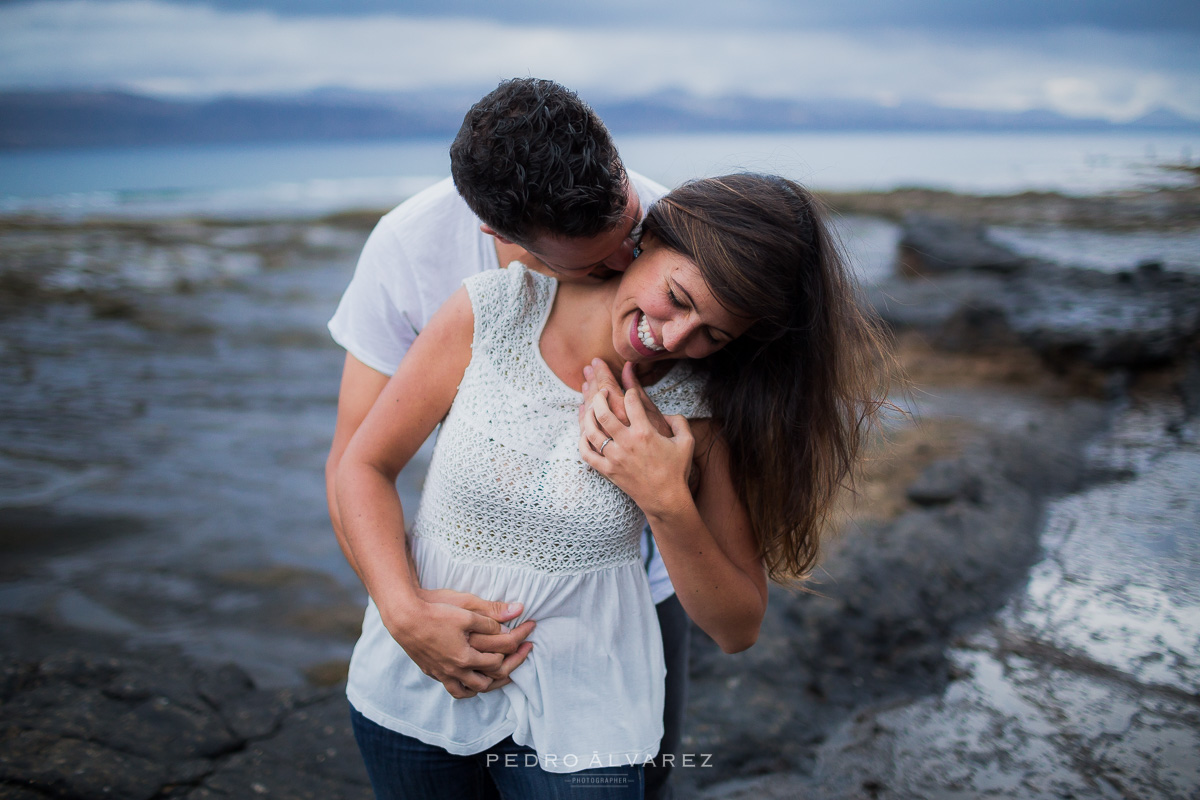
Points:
[[360, 388]]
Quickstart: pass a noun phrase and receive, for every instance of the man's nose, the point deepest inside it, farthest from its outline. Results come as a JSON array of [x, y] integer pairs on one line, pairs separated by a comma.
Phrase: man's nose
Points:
[[622, 257]]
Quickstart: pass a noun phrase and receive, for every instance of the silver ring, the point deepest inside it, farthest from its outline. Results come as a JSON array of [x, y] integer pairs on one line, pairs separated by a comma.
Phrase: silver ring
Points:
[[606, 441]]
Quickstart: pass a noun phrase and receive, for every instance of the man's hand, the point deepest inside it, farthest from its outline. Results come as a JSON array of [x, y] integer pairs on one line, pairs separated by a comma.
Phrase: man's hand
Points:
[[597, 378], [457, 638]]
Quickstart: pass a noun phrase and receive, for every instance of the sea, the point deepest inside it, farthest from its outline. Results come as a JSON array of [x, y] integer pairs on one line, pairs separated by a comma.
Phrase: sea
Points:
[[298, 179]]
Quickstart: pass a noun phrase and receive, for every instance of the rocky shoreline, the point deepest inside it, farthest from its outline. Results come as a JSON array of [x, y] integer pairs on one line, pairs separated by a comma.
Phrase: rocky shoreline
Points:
[[1152, 208], [932, 664], [1080, 681], [946, 649]]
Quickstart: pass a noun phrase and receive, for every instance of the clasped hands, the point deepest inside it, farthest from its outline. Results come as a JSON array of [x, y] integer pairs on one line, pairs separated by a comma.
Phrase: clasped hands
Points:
[[459, 639], [625, 438]]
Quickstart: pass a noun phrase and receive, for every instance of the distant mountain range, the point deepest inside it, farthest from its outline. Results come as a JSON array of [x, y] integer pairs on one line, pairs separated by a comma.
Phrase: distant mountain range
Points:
[[106, 118]]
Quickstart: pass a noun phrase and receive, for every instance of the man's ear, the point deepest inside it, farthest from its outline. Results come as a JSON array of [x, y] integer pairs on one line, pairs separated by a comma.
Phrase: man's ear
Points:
[[490, 231]]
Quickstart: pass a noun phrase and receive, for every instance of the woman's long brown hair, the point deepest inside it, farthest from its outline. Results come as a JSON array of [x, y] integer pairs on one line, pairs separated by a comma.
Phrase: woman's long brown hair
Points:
[[795, 396]]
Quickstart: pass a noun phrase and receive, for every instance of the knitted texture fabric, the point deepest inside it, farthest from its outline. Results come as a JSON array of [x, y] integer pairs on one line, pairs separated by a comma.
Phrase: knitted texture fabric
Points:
[[506, 485]]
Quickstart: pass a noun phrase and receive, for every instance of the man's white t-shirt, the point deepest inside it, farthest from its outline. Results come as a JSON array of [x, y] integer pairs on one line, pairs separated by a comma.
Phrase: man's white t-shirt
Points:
[[414, 259]]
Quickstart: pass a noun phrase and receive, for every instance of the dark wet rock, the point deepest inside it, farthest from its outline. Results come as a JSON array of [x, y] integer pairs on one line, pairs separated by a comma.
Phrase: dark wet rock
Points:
[[930, 245], [1127, 319], [969, 298], [1084, 685], [22, 793], [777, 786], [78, 768], [1189, 386], [1164, 209], [976, 325], [943, 482], [105, 722], [312, 756], [902, 590]]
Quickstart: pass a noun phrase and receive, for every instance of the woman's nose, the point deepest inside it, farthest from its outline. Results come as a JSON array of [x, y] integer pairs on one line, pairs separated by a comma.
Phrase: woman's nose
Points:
[[677, 332]]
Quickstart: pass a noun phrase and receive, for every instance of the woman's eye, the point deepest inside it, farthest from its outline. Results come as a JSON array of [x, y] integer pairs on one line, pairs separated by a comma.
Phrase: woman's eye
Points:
[[675, 301]]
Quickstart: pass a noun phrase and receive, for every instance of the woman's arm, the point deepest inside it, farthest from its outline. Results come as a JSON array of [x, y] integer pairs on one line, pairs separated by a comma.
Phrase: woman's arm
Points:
[[705, 539], [437, 636], [360, 388]]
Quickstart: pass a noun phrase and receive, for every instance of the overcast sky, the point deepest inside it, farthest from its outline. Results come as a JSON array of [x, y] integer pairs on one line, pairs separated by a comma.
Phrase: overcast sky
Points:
[[1112, 59]]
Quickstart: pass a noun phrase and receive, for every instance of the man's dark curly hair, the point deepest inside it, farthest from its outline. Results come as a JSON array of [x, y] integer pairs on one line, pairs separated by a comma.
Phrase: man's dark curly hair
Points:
[[531, 158]]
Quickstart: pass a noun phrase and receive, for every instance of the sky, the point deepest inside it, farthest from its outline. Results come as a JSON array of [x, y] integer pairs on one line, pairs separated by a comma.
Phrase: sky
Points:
[[1116, 60]]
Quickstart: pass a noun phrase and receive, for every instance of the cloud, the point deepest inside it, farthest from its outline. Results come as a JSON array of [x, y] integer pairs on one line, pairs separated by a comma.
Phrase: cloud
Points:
[[1119, 15], [193, 50]]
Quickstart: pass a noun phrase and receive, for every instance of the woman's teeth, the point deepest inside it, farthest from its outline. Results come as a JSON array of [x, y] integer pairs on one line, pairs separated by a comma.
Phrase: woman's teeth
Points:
[[643, 331]]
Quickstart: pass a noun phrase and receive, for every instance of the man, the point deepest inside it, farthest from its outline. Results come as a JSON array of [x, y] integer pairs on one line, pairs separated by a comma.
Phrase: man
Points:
[[538, 180]]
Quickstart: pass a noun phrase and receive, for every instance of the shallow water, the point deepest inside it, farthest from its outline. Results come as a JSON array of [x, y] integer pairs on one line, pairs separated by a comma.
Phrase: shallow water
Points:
[[174, 435], [1120, 584], [1106, 251]]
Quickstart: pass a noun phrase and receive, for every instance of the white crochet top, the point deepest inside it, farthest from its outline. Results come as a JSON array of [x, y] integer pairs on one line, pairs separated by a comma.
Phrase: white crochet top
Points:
[[510, 512]]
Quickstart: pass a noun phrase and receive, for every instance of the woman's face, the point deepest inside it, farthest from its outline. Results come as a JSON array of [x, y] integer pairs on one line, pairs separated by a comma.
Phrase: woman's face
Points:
[[664, 309]]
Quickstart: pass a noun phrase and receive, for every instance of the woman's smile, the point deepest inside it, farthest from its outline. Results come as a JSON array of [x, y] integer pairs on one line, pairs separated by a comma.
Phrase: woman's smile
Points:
[[642, 337], [667, 310]]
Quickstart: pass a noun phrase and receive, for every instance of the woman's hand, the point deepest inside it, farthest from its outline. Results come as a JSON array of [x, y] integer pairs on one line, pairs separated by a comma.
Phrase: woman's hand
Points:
[[700, 526], [651, 468], [597, 378]]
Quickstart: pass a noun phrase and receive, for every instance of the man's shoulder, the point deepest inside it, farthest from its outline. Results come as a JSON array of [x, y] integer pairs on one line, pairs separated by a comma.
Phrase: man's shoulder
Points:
[[436, 233], [648, 190], [431, 239]]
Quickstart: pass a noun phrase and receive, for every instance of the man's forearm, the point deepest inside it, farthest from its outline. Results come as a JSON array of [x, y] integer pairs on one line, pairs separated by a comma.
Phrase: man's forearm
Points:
[[335, 517], [369, 523], [360, 387]]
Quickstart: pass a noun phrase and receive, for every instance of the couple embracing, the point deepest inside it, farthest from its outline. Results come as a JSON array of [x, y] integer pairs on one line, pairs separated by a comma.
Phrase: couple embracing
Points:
[[648, 402]]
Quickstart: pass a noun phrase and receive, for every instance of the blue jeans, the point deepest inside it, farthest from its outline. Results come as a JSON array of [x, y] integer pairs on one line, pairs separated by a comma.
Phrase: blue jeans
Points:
[[404, 768], [676, 636]]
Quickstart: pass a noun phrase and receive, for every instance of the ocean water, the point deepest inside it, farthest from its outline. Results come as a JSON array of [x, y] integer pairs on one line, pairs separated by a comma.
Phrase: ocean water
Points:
[[1106, 251], [234, 181], [302, 179]]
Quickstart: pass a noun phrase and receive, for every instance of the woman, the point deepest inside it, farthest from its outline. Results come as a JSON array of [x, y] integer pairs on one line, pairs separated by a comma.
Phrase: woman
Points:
[[741, 321]]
